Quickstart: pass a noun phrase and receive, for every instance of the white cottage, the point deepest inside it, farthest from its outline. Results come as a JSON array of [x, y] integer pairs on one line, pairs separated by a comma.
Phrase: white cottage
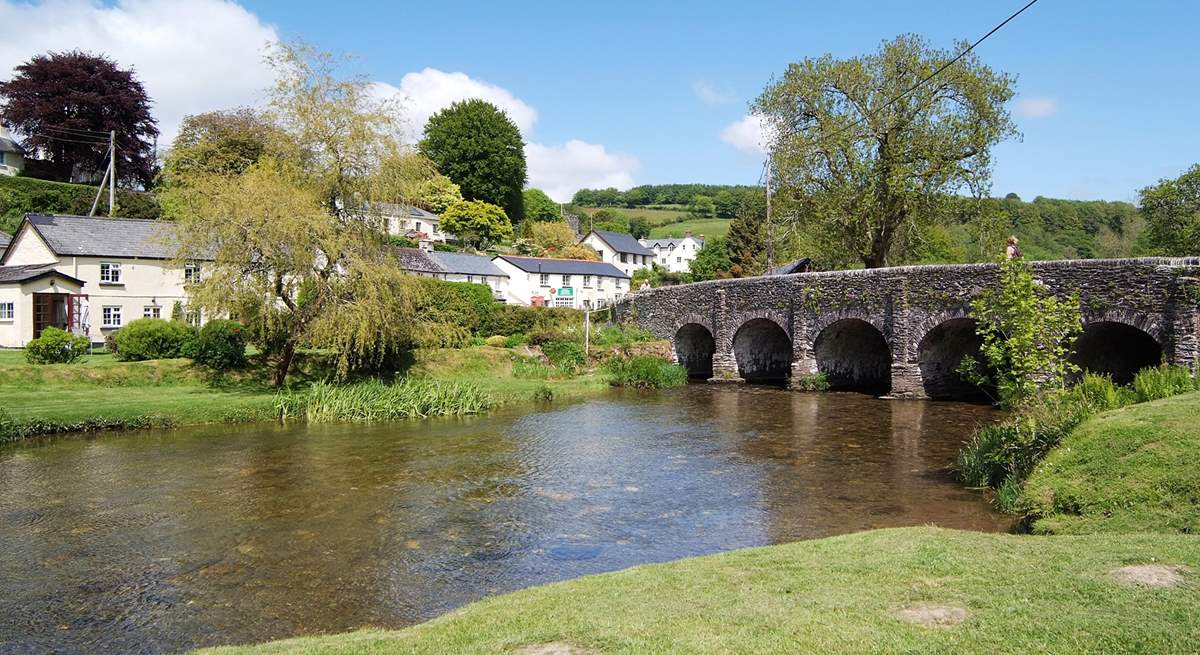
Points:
[[412, 222], [12, 156], [620, 250], [675, 255], [89, 275], [455, 267], [576, 283]]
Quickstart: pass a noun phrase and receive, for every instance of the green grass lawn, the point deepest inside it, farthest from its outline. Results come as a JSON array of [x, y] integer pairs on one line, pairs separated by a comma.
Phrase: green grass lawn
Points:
[[99, 392], [1022, 594], [709, 227], [1135, 469]]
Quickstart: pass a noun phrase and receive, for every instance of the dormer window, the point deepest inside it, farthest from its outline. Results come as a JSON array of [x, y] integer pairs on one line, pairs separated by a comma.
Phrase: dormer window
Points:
[[110, 273]]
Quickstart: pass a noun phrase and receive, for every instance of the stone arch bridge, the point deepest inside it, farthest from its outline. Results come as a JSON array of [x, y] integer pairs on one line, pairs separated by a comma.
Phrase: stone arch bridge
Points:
[[903, 330]]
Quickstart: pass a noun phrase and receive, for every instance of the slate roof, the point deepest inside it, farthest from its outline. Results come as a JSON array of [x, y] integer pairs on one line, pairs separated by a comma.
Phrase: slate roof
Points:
[[622, 242], [8, 145], [26, 272], [91, 236], [668, 243], [393, 209], [794, 266], [4, 241], [417, 261], [563, 266], [465, 264]]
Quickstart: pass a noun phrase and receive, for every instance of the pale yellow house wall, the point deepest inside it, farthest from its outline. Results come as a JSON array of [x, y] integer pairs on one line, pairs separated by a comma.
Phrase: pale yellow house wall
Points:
[[28, 248]]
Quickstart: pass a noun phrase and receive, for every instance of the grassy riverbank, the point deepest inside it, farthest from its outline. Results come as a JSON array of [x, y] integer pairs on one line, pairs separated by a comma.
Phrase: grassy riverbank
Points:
[[102, 393], [837, 595], [1133, 469]]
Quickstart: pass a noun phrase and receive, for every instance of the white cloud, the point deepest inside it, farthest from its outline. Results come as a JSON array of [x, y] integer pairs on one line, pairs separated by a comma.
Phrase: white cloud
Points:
[[1037, 107], [191, 55], [561, 170], [747, 135], [710, 94], [430, 90]]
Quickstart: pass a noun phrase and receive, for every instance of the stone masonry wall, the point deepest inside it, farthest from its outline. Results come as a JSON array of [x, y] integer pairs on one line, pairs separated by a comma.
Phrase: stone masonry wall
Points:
[[1160, 296]]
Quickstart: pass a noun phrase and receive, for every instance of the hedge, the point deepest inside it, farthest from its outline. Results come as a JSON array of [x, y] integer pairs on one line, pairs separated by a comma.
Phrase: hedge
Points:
[[27, 195]]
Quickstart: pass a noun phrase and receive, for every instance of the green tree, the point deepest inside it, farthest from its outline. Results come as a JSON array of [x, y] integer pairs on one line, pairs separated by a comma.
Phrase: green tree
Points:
[[1172, 212], [220, 142], [294, 246], [1027, 336], [476, 223], [552, 236], [478, 146], [639, 227], [712, 262], [861, 170], [611, 220], [746, 242], [438, 193], [726, 203], [539, 206], [703, 207]]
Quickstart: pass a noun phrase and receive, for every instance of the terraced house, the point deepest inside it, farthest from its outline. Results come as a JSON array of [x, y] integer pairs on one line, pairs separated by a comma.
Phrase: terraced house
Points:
[[621, 250], [89, 275]]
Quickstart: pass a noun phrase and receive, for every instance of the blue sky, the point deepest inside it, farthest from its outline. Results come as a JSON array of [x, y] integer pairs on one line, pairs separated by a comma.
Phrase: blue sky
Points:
[[641, 92]]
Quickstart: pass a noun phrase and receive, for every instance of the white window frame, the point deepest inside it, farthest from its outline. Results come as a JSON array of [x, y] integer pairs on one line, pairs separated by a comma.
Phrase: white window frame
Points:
[[192, 318], [113, 271], [111, 316], [191, 273], [566, 280], [587, 282], [564, 301], [471, 279], [8, 311], [544, 279], [151, 311]]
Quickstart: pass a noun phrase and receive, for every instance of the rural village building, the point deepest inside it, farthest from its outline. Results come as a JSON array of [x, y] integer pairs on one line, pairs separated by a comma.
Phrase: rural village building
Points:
[[562, 282], [620, 250], [675, 255], [88, 275], [455, 267], [413, 222], [12, 157]]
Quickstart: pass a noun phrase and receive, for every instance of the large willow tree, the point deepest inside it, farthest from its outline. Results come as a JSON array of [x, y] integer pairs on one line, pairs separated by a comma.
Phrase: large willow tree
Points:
[[293, 243], [862, 177]]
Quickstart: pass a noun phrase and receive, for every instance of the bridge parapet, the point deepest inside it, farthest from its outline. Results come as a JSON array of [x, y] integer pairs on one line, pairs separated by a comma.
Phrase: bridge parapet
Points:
[[902, 330]]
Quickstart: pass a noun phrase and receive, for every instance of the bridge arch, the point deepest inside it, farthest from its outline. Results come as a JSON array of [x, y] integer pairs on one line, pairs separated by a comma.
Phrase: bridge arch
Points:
[[854, 355], [1118, 345], [694, 349], [940, 351], [763, 351]]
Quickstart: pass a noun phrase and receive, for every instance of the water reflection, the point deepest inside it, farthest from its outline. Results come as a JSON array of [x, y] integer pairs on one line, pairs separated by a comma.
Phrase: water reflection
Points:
[[157, 542]]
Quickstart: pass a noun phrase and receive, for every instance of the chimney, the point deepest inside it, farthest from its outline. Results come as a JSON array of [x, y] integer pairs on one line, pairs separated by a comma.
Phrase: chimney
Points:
[[425, 245], [687, 234]]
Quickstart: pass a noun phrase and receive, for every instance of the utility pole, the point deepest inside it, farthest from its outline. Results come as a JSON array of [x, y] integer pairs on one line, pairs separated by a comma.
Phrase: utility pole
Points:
[[112, 174], [770, 228]]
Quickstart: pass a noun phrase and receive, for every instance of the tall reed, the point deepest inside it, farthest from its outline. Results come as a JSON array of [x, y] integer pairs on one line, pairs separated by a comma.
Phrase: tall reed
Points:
[[366, 402]]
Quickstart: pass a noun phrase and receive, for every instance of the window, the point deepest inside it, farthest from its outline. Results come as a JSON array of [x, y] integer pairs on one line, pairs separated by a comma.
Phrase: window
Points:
[[418, 226], [566, 281], [470, 278], [152, 311], [111, 316], [191, 273], [623, 260], [663, 260], [679, 260], [587, 281], [110, 273], [7, 311], [192, 318], [564, 301], [545, 279]]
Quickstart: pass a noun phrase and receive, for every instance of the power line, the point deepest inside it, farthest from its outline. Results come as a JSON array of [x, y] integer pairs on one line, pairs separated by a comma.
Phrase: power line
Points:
[[54, 137], [75, 130]]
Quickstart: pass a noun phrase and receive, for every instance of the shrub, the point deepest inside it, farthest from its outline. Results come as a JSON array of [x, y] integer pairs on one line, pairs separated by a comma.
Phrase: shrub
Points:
[[813, 382], [515, 319], [1162, 381], [497, 341], [543, 394], [56, 346], [221, 345], [621, 335], [530, 368], [566, 356], [150, 338], [645, 372], [514, 340]]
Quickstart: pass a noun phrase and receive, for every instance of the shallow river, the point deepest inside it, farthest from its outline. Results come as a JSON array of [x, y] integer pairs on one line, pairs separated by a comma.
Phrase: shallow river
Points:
[[161, 541]]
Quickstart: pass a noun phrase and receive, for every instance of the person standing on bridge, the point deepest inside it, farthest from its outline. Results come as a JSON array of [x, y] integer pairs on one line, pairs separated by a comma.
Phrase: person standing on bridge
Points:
[[1012, 251]]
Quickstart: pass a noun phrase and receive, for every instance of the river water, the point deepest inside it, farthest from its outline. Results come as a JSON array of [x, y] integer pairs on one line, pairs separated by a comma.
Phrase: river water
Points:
[[161, 541]]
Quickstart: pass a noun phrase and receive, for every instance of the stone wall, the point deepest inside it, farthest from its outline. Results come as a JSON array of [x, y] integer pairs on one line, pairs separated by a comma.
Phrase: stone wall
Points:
[[1158, 296]]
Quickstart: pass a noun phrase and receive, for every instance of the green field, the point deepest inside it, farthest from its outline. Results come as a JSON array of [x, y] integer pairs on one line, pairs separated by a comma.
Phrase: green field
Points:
[[1133, 469], [654, 216], [709, 227]]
